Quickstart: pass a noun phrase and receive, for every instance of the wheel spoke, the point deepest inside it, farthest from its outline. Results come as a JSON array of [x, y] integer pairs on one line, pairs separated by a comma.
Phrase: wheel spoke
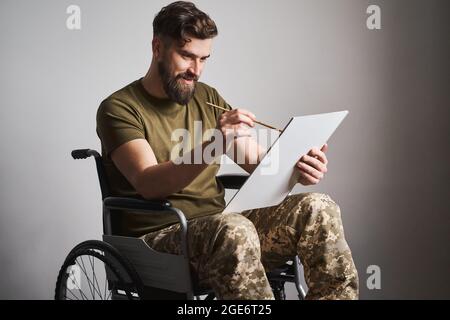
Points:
[[95, 278], [91, 261], [106, 282], [89, 281], [108, 270], [79, 288], [76, 298], [109, 295], [85, 272]]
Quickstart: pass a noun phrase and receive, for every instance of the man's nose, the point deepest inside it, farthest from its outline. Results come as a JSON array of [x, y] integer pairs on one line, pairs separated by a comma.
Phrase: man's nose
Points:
[[195, 68]]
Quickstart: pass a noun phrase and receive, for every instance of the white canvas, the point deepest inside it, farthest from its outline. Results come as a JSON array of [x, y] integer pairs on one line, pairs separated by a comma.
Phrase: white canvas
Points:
[[275, 176]]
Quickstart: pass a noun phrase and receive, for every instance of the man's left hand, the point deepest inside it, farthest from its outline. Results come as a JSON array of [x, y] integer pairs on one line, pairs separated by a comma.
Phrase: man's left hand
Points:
[[313, 166]]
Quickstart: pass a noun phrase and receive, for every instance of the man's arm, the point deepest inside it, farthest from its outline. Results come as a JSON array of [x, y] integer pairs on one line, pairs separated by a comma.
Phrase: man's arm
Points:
[[152, 180]]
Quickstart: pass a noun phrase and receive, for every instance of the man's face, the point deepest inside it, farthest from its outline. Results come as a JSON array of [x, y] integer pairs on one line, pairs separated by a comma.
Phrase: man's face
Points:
[[181, 67]]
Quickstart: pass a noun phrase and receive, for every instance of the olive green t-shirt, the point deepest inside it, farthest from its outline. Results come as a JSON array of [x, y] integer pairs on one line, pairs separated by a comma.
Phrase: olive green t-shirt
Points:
[[132, 113]]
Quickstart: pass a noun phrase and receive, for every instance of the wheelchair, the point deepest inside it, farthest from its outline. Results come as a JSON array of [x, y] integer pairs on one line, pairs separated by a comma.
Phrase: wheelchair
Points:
[[126, 268]]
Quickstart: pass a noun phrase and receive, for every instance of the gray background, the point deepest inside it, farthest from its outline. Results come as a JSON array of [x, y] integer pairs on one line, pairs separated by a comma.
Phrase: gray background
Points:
[[388, 161]]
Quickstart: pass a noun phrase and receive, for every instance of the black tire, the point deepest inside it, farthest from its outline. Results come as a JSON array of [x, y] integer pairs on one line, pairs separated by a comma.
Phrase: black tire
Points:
[[122, 281]]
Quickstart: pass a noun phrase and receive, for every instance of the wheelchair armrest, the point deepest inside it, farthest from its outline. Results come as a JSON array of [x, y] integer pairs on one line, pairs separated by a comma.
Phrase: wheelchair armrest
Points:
[[233, 181], [146, 207], [136, 204]]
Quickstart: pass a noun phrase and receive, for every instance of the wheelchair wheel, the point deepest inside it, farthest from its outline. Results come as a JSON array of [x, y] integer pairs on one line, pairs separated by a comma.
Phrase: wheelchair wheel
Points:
[[95, 270]]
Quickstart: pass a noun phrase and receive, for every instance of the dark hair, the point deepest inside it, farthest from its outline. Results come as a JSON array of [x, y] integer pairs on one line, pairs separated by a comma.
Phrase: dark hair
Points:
[[182, 19]]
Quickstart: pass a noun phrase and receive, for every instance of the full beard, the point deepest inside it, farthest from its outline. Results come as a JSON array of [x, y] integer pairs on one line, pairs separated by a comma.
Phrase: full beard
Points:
[[174, 87]]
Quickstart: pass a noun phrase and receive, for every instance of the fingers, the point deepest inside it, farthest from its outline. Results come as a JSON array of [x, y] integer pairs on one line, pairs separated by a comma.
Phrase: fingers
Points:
[[313, 166], [311, 171], [318, 154], [306, 179], [237, 116], [315, 163], [238, 131], [245, 112]]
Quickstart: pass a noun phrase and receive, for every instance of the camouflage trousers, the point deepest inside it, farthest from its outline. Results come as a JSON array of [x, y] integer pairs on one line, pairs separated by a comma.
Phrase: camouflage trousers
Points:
[[232, 252]]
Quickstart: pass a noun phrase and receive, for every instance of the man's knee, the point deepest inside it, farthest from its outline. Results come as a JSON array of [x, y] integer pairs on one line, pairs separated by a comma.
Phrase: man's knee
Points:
[[237, 236], [314, 208], [322, 222], [321, 201]]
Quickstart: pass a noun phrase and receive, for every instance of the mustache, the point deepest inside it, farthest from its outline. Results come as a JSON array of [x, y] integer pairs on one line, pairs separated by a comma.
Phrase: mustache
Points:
[[187, 76]]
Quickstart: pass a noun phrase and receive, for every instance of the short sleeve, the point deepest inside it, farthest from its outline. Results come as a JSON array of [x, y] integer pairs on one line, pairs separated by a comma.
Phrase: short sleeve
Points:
[[118, 123], [218, 100]]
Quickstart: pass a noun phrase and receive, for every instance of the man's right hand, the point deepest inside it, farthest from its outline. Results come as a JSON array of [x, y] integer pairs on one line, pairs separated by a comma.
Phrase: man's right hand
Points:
[[246, 152], [233, 122]]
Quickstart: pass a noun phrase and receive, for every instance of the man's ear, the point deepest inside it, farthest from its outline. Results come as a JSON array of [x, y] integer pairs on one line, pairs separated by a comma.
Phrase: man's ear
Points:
[[156, 47]]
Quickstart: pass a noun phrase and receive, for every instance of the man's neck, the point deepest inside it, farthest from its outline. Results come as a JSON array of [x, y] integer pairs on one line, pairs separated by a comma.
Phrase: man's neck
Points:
[[152, 83]]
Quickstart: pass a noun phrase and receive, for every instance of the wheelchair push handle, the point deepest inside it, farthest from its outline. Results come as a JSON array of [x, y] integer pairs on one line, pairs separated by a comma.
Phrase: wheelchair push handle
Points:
[[84, 153]]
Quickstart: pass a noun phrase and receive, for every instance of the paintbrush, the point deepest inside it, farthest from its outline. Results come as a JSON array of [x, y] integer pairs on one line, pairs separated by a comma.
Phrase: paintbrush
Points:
[[258, 122]]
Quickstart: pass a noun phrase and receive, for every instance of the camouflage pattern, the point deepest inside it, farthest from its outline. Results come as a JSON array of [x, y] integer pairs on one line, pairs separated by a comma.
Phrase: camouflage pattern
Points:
[[224, 255], [231, 252], [309, 225]]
